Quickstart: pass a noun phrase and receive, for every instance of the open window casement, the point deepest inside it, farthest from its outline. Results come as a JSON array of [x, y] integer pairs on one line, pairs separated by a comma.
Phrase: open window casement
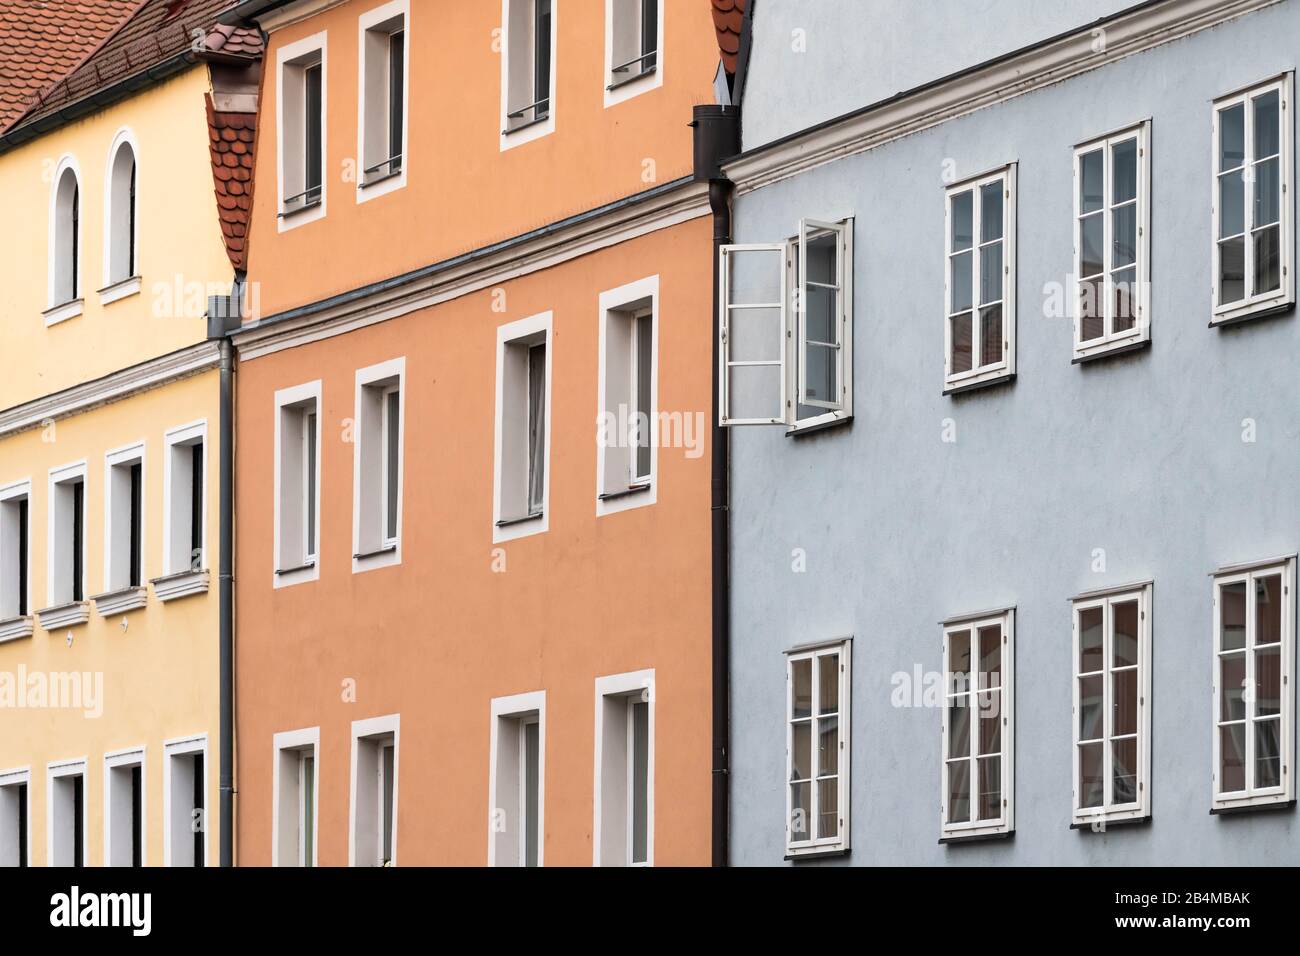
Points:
[[784, 357]]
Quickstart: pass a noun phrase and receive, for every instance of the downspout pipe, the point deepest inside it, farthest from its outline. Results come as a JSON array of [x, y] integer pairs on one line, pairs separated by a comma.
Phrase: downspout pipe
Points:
[[717, 136]]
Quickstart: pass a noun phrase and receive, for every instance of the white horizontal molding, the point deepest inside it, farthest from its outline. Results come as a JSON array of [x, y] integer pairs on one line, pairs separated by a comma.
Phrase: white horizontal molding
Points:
[[174, 586], [1031, 69], [111, 388], [119, 290], [293, 13], [64, 615], [610, 227], [121, 601], [16, 627]]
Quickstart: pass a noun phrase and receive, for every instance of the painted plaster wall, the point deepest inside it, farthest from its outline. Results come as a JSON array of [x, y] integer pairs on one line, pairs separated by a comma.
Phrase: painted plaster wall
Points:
[[1140, 455]]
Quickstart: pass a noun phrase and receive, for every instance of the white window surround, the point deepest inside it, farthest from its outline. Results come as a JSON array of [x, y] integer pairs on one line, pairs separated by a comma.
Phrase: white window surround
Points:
[[64, 303], [178, 826], [614, 489], [78, 612], [14, 778], [12, 624], [288, 56], [1110, 810], [370, 547], [183, 575], [383, 728], [651, 80], [119, 595], [812, 654], [1005, 369], [1112, 340], [1252, 797], [503, 777], [366, 23], [285, 837], [535, 130], [608, 847], [1265, 303], [284, 576], [779, 307], [54, 771], [537, 327], [120, 760], [121, 227]]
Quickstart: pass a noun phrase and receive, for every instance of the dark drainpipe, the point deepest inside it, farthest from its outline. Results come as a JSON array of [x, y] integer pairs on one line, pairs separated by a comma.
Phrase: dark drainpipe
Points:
[[717, 136]]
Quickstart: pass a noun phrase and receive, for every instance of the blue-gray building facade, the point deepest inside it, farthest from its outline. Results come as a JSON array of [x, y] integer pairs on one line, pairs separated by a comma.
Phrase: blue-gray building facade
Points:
[[1011, 368]]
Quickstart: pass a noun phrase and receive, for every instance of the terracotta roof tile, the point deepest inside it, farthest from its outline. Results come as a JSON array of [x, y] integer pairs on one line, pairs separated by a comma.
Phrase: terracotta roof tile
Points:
[[728, 21], [231, 140], [41, 41]]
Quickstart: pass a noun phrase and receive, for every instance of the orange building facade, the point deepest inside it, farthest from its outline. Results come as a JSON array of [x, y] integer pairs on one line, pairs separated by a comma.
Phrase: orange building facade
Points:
[[473, 394]]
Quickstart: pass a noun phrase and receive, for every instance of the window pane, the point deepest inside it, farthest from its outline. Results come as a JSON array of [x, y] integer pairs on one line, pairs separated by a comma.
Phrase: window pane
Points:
[[1232, 683], [959, 660], [991, 656], [1123, 247], [828, 819], [991, 335], [394, 418], [820, 382], [962, 227], [1268, 681], [1124, 168], [961, 342], [1232, 200], [1124, 771], [1124, 286], [1232, 137], [1232, 758], [312, 133], [1092, 300], [828, 746], [542, 57], [958, 727], [961, 266], [1268, 193], [800, 806], [1124, 643], [536, 428], [644, 373], [1124, 687], [991, 273], [309, 478], [958, 791], [1268, 609], [1091, 245], [1090, 654], [387, 810], [1090, 704], [1232, 270], [801, 677], [396, 92], [990, 788], [1267, 260], [1232, 616], [991, 211], [801, 750], [819, 314], [640, 780], [1266, 127], [828, 676], [1091, 189], [308, 809], [1091, 784], [1268, 762], [821, 255], [990, 722], [532, 786]]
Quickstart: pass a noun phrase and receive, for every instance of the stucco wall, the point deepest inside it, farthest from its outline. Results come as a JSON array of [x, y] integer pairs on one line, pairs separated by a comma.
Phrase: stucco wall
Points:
[[1140, 455]]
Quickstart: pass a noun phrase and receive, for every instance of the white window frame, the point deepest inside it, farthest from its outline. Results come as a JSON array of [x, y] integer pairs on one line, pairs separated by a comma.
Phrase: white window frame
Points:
[[1256, 304], [17, 626], [1109, 811], [1005, 619], [365, 730], [622, 689], [54, 771], [617, 488], [366, 23], [520, 526], [526, 133], [792, 350], [120, 287], [1255, 797], [620, 92], [371, 551], [842, 841], [508, 715], [120, 759], [310, 571], [61, 475], [1140, 333], [290, 56], [126, 455], [57, 308], [183, 747], [177, 582], [16, 777], [299, 743], [1004, 370]]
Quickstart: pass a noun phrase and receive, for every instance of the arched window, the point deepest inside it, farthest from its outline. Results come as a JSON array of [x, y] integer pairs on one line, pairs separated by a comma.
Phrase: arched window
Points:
[[65, 267], [120, 222]]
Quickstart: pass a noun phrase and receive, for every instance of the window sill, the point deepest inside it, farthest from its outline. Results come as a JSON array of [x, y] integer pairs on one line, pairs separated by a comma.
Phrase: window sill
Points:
[[1257, 310], [630, 490], [377, 553], [287, 214], [64, 615], [120, 290], [967, 386], [630, 80], [820, 423], [1102, 823], [1279, 802], [511, 522], [1122, 347], [14, 628], [976, 837], [796, 856], [170, 587], [63, 312], [297, 569], [529, 125], [378, 180], [119, 602]]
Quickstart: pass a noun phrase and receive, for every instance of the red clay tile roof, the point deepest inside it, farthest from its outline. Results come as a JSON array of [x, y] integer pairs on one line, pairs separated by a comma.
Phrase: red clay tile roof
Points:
[[234, 41], [231, 138], [728, 20], [156, 32], [41, 41]]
